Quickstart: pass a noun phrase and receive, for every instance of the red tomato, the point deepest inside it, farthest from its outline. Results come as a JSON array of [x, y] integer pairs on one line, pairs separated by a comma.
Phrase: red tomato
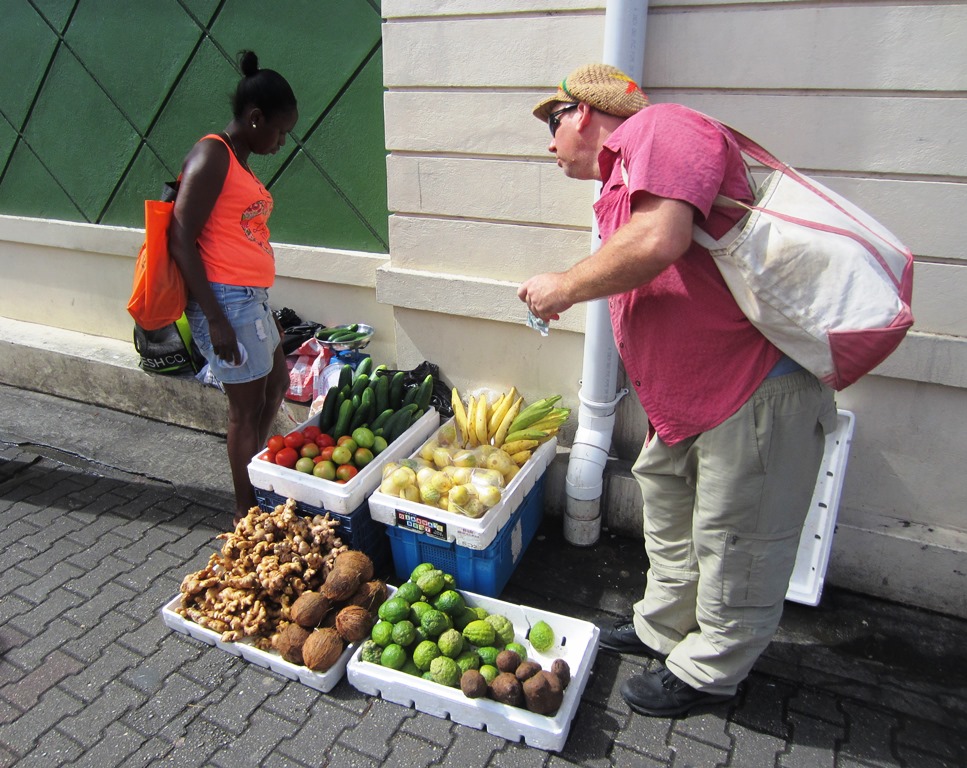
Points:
[[323, 440], [294, 440], [287, 457], [346, 472], [326, 452], [276, 443], [268, 456], [311, 433]]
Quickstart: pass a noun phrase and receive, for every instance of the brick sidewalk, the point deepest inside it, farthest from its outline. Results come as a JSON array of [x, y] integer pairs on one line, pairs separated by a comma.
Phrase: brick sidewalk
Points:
[[90, 675]]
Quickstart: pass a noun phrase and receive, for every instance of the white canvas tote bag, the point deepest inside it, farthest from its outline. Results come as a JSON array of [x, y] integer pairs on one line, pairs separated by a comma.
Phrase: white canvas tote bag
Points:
[[821, 279]]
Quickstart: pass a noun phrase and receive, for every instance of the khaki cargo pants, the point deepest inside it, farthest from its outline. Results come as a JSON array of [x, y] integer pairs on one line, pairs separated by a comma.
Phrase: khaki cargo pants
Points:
[[723, 513]]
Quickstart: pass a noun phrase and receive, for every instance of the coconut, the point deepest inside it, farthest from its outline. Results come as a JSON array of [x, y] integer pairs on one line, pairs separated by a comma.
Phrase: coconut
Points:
[[322, 649], [353, 623], [341, 584], [309, 609], [356, 561], [370, 595], [289, 642]]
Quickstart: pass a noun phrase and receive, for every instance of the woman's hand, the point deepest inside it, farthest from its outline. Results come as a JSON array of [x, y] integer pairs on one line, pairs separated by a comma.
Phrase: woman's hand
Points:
[[224, 341]]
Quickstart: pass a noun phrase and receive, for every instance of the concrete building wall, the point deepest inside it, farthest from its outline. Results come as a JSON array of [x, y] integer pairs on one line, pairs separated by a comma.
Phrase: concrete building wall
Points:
[[866, 96]]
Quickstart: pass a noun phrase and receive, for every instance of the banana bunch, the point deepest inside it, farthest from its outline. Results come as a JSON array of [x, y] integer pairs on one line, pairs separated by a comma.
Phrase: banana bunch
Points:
[[506, 424]]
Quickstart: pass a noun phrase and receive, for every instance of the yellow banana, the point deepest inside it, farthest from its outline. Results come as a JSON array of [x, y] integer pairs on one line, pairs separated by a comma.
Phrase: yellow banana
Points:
[[519, 445], [500, 410], [480, 421], [554, 419], [501, 434], [472, 441], [459, 416], [520, 457]]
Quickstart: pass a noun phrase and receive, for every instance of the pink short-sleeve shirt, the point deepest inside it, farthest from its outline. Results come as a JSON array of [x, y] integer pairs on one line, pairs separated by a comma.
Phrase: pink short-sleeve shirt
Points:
[[691, 355]]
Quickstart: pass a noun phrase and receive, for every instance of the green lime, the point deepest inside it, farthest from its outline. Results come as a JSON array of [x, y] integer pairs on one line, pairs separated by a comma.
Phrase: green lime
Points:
[[410, 668], [417, 610], [541, 636], [371, 651], [434, 622], [421, 569], [503, 628], [517, 648], [489, 672], [395, 609], [450, 602], [488, 655], [431, 582], [450, 643], [468, 660], [393, 656], [463, 618], [424, 653], [479, 633], [449, 582], [382, 633], [403, 633], [409, 591], [445, 671]]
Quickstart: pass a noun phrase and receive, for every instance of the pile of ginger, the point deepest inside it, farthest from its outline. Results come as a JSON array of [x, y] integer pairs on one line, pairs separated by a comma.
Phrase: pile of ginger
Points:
[[270, 559]]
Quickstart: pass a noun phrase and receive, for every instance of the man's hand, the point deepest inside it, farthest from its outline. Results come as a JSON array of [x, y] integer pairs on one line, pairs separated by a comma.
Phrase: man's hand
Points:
[[544, 295]]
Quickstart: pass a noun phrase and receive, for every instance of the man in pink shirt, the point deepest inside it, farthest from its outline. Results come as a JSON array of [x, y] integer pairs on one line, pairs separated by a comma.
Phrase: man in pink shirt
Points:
[[736, 429]]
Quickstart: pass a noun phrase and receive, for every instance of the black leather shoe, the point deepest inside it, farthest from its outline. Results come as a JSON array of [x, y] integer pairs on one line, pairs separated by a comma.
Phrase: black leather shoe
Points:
[[660, 694], [622, 638]]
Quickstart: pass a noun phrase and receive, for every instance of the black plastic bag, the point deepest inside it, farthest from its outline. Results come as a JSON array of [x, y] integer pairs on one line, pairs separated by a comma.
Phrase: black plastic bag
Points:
[[169, 350], [441, 397]]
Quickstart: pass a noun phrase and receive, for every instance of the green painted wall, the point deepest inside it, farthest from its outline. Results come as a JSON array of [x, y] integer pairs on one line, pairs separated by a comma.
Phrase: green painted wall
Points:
[[101, 99]]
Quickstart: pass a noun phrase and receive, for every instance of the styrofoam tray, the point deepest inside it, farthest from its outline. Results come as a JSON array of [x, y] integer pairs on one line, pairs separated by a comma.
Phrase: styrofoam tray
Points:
[[816, 541], [465, 531], [321, 681], [575, 641], [340, 498]]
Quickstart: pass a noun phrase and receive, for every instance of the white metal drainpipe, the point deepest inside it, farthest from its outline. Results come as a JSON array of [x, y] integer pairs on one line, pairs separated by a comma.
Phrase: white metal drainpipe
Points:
[[624, 47]]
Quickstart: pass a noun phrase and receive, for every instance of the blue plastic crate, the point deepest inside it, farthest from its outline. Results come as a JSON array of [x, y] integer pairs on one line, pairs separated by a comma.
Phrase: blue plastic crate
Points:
[[357, 530], [484, 571]]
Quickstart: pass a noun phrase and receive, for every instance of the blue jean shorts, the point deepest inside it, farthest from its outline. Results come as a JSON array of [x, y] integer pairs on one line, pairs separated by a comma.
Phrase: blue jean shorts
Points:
[[248, 311]]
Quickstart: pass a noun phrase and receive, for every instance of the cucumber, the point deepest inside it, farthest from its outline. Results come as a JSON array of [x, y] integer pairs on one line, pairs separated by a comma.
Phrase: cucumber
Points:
[[382, 393], [396, 390], [345, 377], [365, 367], [360, 383], [424, 393], [365, 411], [380, 421], [346, 411], [399, 423], [410, 396], [330, 408]]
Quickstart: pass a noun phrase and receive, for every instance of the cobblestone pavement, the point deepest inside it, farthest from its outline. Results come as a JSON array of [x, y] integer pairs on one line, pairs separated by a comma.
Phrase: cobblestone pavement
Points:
[[102, 514]]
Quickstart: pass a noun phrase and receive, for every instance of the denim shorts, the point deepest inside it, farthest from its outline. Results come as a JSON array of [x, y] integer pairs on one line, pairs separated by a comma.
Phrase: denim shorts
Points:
[[250, 316]]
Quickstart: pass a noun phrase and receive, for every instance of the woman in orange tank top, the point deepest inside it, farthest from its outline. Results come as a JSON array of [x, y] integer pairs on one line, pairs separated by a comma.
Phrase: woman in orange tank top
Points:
[[219, 238]]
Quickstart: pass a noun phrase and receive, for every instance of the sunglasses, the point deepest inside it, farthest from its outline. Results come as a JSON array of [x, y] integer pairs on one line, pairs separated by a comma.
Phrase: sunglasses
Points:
[[554, 119]]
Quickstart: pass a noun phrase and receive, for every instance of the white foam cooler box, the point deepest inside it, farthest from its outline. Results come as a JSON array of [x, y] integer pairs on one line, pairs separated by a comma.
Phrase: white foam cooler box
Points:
[[816, 541], [576, 642], [465, 531], [320, 681], [345, 503]]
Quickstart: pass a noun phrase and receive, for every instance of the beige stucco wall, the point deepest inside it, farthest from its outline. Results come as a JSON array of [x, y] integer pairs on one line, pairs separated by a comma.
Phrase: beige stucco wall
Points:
[[865, 96]]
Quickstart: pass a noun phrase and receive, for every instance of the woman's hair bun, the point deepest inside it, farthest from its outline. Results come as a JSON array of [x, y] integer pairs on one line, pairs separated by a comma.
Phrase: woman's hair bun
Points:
[[248, 62]]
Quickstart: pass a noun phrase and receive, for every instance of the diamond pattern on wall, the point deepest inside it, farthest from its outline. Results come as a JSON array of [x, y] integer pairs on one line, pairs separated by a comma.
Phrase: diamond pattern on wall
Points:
[[100, 101]]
